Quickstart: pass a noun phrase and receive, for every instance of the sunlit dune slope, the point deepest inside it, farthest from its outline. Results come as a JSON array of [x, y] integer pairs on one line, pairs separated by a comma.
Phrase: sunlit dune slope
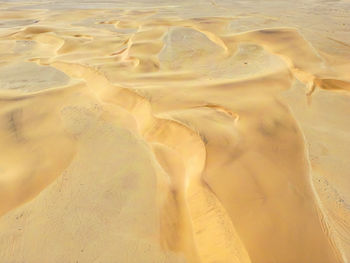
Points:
[[146, 135]]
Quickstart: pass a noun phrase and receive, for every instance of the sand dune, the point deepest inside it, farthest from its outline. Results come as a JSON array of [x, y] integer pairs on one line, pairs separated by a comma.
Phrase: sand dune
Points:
[[139, 134]]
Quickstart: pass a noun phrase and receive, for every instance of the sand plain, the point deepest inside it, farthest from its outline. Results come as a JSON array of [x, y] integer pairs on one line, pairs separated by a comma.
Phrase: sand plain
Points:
[[161, 131]]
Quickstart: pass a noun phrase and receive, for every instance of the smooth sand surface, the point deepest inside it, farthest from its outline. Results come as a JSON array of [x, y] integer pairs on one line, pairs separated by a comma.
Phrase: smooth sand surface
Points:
[[175, 131]]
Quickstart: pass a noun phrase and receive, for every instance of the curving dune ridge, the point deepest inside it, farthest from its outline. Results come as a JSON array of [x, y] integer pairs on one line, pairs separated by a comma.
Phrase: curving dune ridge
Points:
[[199, 132]]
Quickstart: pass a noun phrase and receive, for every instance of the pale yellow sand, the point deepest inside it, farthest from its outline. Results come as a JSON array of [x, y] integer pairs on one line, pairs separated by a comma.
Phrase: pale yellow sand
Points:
[[200, 132]]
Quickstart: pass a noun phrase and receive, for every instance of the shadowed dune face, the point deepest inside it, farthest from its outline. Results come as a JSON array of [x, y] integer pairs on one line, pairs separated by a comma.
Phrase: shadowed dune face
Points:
[[151, 135]]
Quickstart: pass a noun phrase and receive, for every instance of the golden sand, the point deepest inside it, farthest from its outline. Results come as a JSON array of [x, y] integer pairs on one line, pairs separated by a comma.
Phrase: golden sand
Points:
[[199, 132]]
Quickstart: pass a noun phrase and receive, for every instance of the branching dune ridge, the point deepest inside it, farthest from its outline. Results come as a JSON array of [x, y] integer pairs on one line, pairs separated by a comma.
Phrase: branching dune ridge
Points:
[[194, 131]]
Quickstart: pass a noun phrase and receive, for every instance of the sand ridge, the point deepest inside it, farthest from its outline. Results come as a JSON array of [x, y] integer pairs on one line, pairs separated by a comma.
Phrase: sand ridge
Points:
[[168, 139]]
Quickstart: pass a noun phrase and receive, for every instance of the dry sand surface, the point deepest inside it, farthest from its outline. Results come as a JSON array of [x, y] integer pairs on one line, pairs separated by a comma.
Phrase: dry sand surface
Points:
[[175, 131]]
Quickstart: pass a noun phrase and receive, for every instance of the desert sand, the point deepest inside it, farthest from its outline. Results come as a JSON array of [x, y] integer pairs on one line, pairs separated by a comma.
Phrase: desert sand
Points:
[[175, 131]]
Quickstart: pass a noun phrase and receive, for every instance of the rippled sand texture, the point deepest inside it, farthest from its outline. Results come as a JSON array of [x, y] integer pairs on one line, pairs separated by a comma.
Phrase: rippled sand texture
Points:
[[200, 132]]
